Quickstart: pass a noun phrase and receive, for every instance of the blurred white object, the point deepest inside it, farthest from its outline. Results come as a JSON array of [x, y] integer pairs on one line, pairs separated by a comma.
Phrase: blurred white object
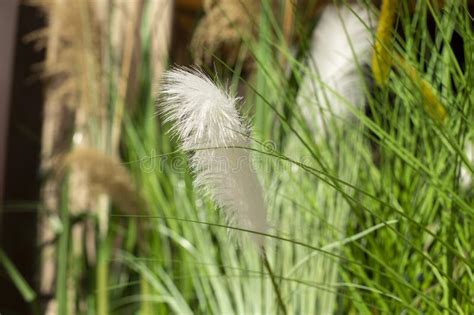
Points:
[[341, 45]]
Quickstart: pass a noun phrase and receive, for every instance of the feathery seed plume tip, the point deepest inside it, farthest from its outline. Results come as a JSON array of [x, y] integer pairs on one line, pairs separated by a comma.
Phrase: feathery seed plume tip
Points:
[[205, 120]]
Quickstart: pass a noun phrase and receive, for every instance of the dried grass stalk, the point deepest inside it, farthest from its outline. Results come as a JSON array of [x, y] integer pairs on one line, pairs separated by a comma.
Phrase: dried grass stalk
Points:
[[161, 16], [224, 26], [104, 175], [431, 100], [75, 53], [341, 45], [381, 59], [79, 67]]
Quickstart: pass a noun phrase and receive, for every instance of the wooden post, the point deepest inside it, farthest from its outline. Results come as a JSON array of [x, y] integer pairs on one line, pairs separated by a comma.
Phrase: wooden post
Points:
[[8, 14], [20, 130]]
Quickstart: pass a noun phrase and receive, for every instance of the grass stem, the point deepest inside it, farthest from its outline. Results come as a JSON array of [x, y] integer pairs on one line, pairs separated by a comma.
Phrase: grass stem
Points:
[[276, 288]]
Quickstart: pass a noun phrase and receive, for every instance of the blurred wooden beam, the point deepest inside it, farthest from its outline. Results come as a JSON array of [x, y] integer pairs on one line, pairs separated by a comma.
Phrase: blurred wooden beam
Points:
[[191, 5], [8, 14], [22, 148]]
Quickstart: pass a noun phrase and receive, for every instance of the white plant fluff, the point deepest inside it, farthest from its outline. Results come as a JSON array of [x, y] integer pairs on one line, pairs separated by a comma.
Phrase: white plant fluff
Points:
[[341, 45], [205, 120]]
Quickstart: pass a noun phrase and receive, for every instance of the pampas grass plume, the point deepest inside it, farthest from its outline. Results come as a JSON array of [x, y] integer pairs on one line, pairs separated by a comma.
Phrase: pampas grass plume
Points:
[[431, 101], [105, 175], [205, 120]]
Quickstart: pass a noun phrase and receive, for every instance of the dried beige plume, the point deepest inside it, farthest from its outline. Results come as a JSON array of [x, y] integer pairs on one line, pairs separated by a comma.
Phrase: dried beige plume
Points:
[[225, 24], [104, 175], [466, 171], [75, 51]]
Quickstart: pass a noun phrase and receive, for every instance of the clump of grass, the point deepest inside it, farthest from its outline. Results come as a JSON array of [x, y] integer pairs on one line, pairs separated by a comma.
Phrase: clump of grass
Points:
[[403, 245], [367, 215]]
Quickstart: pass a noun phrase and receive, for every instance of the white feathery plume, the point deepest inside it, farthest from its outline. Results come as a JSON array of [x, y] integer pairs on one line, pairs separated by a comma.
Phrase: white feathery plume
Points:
[[206, 121], [341, 45]]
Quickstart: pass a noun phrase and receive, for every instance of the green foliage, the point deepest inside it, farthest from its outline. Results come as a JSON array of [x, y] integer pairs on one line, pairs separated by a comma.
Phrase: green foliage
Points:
[[371, 220]]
